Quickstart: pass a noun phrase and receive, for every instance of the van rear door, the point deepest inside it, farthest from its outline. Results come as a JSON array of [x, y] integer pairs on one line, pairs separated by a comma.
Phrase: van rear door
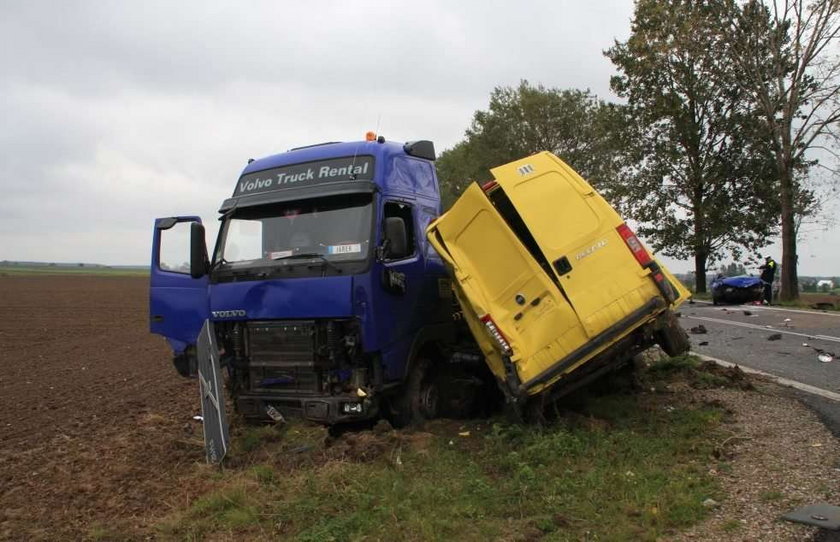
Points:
[[576, 233], [500, 284]]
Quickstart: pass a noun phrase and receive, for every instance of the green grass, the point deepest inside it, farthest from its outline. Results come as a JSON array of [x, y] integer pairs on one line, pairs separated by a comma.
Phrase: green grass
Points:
[[22, 270], [732, 525], [770, 496], [623, 467]]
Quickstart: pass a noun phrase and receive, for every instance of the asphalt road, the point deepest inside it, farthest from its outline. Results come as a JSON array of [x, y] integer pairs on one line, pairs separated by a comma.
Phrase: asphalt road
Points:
[[743, 334]]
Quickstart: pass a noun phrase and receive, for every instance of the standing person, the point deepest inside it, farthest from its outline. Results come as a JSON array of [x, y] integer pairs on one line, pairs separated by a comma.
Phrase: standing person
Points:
[[768, 273]]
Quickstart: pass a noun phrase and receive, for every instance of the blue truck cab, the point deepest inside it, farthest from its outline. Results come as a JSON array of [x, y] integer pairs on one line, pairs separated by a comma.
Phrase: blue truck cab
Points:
[[326, 299]]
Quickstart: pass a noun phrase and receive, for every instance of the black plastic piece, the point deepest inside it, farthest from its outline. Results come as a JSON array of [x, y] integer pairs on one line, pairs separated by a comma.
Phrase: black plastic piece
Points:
[[198, 251], [166, 223], [420, 149], [563, 266]]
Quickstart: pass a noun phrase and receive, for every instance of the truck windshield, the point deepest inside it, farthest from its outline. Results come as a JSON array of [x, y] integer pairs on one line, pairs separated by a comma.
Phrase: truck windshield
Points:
[[331, 230]]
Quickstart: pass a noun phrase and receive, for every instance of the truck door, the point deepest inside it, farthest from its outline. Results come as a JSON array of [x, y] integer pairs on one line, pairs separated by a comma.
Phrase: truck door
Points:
[[575, 230], [400, 302], [178, 303]]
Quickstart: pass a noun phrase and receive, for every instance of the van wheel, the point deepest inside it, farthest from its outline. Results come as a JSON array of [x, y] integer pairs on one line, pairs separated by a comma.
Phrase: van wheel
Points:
[[672, 338], [418, 399]]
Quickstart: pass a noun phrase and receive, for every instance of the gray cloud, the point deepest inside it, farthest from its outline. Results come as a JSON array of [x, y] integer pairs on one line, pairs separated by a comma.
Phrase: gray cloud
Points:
[[114, 113]]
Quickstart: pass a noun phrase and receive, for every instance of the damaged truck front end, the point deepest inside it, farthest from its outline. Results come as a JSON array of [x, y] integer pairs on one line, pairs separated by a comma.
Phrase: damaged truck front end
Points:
[[312, 369], [324, 299]]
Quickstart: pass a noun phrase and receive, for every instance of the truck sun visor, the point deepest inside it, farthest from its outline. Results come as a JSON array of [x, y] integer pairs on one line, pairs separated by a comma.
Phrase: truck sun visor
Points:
[[350, 168]]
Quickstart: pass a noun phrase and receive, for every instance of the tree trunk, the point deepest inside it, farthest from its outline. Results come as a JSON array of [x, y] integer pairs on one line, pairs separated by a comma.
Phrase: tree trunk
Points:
[[790, 280], [700, 272], [701, 253]]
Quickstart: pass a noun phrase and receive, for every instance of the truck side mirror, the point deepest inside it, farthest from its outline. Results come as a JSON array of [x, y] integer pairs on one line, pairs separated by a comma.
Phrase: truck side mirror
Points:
[[198, 251], [396, 239]]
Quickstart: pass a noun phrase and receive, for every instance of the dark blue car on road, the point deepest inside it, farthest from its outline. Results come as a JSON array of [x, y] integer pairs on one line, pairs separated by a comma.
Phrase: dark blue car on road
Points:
[[741, 289]]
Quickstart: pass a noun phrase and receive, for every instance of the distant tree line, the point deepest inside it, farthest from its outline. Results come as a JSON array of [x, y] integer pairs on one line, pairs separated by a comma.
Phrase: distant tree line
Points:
[[729, 111]]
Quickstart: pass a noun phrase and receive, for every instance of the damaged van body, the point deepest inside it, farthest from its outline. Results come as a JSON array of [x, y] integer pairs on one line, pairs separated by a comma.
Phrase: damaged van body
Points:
[[555, 287]]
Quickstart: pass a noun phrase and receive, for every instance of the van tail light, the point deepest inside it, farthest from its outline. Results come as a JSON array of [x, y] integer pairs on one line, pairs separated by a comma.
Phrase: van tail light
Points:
[[489, 185], [497, 335], [634, 245]]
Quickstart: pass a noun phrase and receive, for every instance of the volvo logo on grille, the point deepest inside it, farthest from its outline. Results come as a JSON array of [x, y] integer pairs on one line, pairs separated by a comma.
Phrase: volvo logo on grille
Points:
[[235, 313]]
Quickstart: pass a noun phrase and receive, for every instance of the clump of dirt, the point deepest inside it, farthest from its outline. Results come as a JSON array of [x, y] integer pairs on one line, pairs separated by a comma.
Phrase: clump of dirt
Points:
[[721, 377], [697, 374], [363, 447], [297, 443]]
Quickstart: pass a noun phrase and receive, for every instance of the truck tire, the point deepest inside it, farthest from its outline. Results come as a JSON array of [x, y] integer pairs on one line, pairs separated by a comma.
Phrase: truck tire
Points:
[[417, 400], [672, 338]]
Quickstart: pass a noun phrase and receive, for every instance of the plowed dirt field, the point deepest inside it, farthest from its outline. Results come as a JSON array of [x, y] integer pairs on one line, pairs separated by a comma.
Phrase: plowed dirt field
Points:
[[97, 433], [94, 421]]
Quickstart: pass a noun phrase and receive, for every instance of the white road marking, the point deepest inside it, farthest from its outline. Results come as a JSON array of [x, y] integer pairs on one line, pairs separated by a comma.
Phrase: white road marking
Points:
[[770, 308], [764, 328], [782, 381]]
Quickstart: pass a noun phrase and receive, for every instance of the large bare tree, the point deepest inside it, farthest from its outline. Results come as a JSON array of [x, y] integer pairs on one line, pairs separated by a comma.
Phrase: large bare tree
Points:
[[786, 53]]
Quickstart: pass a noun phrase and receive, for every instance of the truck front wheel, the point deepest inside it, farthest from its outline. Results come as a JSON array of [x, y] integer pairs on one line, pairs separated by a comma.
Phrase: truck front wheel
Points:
[[417, 400]]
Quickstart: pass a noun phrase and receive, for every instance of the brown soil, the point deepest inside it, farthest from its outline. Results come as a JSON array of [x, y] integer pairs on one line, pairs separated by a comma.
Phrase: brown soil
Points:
[[820, 300], [97, 435], [95, 424]]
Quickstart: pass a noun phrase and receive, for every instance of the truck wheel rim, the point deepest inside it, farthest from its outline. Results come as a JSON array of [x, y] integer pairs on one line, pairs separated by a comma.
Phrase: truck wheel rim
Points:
[[429, 401]]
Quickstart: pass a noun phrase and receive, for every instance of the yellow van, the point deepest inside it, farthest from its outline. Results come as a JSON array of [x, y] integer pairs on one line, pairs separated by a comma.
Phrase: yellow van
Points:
[[555, 287]]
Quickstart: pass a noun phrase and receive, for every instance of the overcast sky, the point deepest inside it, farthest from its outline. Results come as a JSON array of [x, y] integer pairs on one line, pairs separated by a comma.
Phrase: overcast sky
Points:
[[114, 113]]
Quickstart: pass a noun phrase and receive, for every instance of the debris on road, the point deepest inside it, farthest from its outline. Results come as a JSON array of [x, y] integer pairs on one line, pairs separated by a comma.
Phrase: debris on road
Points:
[[275, 414], [747, 313], [699, 330], [774, 337], [822, 355], [704, 343]]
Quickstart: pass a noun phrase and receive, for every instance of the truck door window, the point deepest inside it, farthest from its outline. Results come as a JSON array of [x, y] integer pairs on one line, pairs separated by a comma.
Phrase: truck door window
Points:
[[175, 248], [403, 211]]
